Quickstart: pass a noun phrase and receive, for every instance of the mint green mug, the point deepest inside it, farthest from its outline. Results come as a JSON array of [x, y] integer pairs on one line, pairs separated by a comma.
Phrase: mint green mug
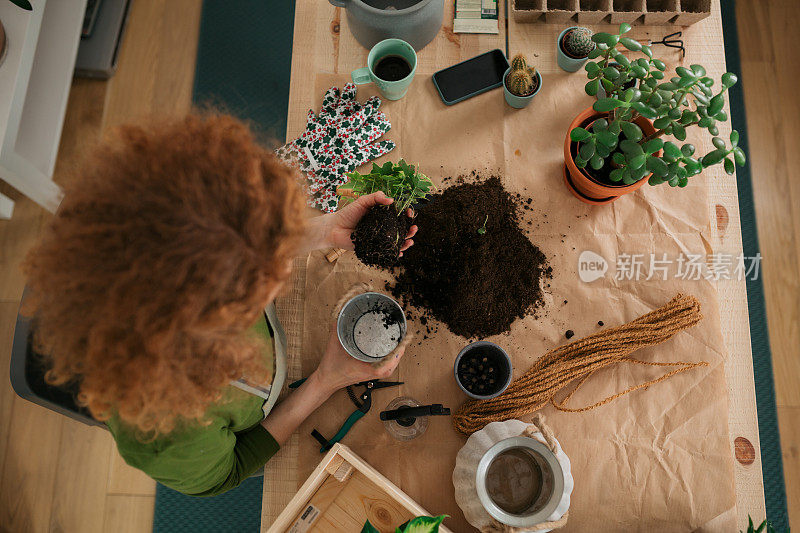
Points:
[[391, 65]]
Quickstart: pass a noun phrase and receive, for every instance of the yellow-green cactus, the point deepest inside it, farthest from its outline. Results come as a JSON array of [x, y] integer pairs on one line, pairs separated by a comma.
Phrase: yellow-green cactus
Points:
[[520, 82], [519, 62]]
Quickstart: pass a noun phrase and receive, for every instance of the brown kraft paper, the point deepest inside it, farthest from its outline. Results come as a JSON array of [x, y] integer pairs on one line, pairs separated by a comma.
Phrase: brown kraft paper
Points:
[[654, 460]]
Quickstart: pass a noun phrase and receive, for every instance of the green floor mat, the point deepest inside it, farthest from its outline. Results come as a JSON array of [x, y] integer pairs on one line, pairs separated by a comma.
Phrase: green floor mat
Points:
[[236, 511], [244, 60], [771, 460]]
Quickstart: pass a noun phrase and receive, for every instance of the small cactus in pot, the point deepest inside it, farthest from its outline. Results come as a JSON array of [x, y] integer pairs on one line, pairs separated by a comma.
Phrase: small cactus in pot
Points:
[[573, 47], [578, 42], [518, 62], [521, 82]]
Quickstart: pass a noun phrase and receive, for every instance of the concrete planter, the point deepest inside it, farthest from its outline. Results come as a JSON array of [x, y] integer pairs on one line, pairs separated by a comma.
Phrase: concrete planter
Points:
[[415, 21]]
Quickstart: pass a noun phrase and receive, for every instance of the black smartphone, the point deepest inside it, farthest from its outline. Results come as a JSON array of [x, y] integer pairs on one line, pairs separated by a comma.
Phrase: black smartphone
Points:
[[471, 77]]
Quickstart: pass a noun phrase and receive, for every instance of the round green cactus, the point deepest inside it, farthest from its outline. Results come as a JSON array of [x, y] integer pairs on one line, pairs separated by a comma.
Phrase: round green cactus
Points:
[[519, 62], [578, 42]]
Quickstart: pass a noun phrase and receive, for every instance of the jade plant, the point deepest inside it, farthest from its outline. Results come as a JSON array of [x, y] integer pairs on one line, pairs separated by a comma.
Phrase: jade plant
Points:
[[685, 100], [420, 524], [578, 42], [522, 77], [379, 235]]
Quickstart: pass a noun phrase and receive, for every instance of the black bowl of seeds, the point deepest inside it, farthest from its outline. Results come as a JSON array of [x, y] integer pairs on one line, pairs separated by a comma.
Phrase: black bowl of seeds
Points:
[[482, 370]]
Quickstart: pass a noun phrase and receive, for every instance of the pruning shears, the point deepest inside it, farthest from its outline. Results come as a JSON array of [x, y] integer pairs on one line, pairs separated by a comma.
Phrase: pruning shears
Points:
[[363, 403]]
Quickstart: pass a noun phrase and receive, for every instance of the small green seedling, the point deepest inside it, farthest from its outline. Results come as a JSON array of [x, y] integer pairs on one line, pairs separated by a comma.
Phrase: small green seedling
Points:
[[482, 229], [400, 181]]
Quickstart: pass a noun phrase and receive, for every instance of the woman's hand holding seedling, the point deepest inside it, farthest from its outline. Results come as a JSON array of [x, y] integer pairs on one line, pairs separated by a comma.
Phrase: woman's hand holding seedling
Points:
[[334, 229], [376, 229], [344, 221]]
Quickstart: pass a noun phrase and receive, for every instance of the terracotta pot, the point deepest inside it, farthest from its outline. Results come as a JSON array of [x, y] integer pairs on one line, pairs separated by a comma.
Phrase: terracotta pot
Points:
[[580, 183]]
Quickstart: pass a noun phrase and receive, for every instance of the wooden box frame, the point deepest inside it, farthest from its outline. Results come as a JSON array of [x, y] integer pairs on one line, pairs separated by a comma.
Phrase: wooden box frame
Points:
[[343, 493]]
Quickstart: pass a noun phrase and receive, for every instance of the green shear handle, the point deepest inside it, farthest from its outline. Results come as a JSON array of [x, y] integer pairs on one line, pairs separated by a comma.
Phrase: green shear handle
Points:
[[363, 403], [327, 444]]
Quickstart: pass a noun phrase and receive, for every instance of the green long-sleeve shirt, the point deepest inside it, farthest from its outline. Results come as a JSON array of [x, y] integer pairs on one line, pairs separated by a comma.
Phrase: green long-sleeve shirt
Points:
[[205, 459]]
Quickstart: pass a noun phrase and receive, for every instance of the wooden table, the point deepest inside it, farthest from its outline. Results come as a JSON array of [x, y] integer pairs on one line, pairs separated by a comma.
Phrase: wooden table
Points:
[[323, 43]]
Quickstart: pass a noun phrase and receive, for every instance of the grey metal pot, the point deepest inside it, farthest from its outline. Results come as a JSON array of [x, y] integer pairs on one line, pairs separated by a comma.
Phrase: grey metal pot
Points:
[[356, 336], [415, 21], [552, 477]]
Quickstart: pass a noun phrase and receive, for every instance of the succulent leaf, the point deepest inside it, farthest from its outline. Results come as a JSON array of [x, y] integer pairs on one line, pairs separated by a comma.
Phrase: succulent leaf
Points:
[[630, 44], [729, 79], [607, 104], [730, 168], [579, 134]]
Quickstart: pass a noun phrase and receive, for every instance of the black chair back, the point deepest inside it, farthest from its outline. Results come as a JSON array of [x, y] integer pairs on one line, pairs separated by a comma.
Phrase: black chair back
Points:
[[28, 381]]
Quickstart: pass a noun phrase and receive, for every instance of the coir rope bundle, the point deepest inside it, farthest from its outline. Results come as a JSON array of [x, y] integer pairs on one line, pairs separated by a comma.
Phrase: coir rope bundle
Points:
[[579, 360]]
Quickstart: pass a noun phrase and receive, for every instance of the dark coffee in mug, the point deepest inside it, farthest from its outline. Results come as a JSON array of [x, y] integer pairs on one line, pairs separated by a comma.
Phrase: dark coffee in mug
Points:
[[392, 68]]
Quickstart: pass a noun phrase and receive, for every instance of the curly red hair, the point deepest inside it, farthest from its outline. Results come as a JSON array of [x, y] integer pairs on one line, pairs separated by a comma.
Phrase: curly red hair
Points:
[[165, 250]]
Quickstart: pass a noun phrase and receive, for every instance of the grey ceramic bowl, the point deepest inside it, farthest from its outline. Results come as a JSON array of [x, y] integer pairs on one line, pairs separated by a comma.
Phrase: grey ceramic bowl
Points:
[[552, 482], [502, 357], [415, 21], [354, 335]]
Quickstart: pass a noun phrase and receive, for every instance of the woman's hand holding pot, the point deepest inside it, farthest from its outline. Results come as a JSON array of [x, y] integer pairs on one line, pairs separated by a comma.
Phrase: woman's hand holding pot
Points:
[[338, 369]]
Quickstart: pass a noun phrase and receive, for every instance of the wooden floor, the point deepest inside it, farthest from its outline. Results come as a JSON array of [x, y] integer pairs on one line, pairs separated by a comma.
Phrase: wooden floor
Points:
[[58, 475], [770, 74]]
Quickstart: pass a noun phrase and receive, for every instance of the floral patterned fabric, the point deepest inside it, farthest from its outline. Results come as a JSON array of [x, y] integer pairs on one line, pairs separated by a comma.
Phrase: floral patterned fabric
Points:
[[342, 136]]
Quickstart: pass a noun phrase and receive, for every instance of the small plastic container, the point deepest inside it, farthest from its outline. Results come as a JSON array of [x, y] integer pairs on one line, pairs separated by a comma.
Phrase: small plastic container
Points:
[[490, 359]]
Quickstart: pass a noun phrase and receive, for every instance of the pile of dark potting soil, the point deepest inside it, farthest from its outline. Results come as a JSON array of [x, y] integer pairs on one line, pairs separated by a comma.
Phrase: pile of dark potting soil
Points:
[[478, 284]]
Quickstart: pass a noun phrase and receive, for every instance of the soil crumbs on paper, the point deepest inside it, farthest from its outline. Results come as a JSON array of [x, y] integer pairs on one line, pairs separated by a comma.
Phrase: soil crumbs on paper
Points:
[[477, 283]]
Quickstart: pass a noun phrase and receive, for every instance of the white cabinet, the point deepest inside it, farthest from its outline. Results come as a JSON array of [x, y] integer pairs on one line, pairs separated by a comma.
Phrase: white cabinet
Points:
[[35, 79]]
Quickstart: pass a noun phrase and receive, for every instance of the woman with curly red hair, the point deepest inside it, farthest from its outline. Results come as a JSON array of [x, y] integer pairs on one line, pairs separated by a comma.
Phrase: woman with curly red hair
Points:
[[152, 291]]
